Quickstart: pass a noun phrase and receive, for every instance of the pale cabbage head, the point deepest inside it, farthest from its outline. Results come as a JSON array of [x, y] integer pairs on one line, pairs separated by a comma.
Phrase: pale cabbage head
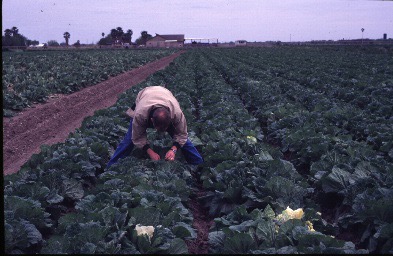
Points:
[[144, 230], [251, 140], [289, 214]]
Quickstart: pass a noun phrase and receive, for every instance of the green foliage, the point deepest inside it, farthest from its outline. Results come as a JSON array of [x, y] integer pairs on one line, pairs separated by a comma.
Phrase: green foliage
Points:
[[16, 208], [20, 235], [53, 43], [239, 243], [302, 133]]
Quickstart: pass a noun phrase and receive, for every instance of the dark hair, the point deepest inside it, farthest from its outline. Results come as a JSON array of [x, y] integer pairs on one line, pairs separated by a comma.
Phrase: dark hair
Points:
[[161, 119]]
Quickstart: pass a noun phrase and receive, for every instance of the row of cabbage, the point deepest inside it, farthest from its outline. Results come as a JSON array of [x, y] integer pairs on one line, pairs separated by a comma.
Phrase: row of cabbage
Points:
[[341, 143], [31, 77], [251, 189], [363, 81], [62, 200]]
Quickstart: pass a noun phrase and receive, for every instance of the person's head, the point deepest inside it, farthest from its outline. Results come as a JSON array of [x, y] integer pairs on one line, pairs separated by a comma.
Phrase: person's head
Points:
[[161, 119]]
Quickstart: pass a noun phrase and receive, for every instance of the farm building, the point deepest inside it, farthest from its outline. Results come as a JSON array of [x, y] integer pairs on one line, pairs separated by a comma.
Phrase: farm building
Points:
[[240, 43], [166, 41]]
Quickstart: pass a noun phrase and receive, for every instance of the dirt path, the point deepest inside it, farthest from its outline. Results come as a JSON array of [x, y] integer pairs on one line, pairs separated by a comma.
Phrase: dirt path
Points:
[[52, 122], [202, 222]]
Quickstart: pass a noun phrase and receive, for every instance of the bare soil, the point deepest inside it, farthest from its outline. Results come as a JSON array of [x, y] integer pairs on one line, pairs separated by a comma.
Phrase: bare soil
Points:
[[202, 223], [51, 122]]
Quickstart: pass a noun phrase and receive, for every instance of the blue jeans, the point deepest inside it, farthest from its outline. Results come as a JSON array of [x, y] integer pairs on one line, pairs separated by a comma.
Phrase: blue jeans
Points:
[[126, 146]]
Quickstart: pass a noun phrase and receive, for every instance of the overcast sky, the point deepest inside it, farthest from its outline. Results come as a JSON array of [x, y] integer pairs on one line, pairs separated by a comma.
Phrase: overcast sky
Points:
[[226, 20]]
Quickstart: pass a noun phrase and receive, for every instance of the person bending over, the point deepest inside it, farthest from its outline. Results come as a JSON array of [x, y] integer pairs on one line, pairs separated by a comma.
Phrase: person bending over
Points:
[[156, 107]]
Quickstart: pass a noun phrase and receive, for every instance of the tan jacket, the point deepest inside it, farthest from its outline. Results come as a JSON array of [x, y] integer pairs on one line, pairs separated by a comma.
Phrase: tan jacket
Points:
[[148, 99]]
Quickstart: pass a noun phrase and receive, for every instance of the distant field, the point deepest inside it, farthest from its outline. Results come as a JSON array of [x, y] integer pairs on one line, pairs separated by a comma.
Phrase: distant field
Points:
[[298, 150], [30, 77]]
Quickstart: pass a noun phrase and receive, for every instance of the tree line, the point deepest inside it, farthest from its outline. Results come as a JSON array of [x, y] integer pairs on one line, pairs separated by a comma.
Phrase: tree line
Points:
[[12, 37], [116, 36]]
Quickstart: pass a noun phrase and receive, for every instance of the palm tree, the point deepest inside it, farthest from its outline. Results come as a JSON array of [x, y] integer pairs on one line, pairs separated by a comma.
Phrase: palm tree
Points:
[[66, 37], [114, 35], [7, 32], [103, 34], [126, 38], [120, 34], [143, 38], [120, 31], [362, 34], [7, 40], [14, 31], [129, 33], [117, 34]]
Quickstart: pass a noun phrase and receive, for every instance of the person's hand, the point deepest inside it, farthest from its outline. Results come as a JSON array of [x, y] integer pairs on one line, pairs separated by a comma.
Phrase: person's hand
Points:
[[153, 155], [170, 155]]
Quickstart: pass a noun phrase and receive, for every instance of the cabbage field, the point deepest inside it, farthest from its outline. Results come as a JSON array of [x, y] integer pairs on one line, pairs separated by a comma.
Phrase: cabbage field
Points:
[[298, 150], [31, 77]]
